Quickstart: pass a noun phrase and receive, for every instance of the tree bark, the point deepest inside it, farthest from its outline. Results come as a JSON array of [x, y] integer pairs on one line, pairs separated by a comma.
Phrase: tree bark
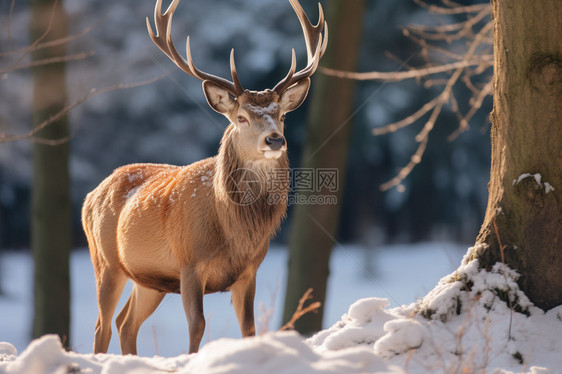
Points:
[[526, 137], [314, 226], [51, 226]]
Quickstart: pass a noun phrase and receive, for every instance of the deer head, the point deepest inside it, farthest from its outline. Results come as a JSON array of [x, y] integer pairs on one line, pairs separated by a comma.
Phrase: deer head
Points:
[[257, 116]]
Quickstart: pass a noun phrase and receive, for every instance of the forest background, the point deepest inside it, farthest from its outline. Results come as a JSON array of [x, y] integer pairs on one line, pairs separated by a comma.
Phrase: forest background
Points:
[[168, 121]]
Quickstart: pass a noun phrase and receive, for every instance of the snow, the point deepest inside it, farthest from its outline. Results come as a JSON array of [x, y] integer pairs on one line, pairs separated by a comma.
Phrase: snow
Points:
[[269, 110], [402, 335], [207, 178], [282, 352], [463, 325], [132, 192], [265, 113], [472, 320], [7, 352], [538, 179], [548, 187]]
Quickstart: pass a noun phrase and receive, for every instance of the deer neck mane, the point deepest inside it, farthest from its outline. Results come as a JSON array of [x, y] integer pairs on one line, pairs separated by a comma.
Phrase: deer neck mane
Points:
[[251, 194]]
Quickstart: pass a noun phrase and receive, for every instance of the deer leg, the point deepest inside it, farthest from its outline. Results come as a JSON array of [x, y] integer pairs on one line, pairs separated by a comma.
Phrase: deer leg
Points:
[[141, 304], [192, 290], [110, 284], [243, 292]]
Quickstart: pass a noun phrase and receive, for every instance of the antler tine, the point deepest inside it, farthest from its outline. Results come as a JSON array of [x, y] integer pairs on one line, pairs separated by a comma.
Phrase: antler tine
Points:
[[313, 38], [163, 39], [280, 86], [310, 69], [234, 88], [162, 23], [311, 32], [234, 73], [312, 66]]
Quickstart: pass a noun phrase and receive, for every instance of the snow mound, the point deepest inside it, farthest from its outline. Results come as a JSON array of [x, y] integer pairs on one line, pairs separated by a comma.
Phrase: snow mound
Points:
[[363, 324], [473, 321], [278, 352], [402, 335], [7, 352]]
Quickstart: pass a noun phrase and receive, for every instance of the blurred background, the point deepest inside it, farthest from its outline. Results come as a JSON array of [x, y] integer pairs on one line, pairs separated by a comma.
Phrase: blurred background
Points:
[[169, 121]]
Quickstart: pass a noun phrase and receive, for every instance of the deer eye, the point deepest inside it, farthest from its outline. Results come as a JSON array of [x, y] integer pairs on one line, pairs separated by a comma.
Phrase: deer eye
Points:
[[242, 119]]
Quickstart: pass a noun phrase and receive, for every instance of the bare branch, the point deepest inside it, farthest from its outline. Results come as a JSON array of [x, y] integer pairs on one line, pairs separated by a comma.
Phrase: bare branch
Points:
[[30, 135], [445, 96], [475, 61], [47, 61], [403, 75], [51, 43]]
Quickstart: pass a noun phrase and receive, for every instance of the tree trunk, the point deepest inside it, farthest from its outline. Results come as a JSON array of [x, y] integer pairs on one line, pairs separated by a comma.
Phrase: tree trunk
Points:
[[526, 138], [51, 226], [314, 225]]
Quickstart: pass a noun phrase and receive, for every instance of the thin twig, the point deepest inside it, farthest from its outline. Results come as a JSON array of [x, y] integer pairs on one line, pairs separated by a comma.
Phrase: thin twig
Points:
[[10, 45], [408, 120], [301, 311], [415, 159], [50, 43], [452, 10], [502, 248], [44, 35], [476, 105], [47, 61], [154, 337]]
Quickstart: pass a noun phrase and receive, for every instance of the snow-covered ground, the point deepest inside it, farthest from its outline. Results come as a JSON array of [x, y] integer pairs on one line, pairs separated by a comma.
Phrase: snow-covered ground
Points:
[[405, 272], [463, 324]]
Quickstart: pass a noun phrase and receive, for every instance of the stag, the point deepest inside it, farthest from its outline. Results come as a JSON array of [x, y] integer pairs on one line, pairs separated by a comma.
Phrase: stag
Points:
[[192, 229]]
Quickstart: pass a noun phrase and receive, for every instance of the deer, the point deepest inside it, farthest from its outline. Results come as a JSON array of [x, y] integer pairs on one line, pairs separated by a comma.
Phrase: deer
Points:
[[205, 227]]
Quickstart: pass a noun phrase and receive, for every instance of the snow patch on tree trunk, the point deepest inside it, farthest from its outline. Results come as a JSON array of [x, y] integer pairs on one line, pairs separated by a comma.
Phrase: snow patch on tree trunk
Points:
[[538, 179]]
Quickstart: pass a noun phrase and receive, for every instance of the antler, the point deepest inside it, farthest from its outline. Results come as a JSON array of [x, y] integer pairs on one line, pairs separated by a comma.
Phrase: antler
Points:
[[316, 44], [163, 39]]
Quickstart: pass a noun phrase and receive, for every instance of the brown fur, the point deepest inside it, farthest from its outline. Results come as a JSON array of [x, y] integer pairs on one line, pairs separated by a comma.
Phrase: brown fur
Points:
[[204, 227], [148, 221]]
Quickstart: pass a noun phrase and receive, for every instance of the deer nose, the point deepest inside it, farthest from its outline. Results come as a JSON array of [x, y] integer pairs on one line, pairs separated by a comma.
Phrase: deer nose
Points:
[[275, 142]]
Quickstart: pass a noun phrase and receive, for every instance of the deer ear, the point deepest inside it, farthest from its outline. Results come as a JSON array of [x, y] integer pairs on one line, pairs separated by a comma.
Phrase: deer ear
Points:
[[294, 96], [218, 99]]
